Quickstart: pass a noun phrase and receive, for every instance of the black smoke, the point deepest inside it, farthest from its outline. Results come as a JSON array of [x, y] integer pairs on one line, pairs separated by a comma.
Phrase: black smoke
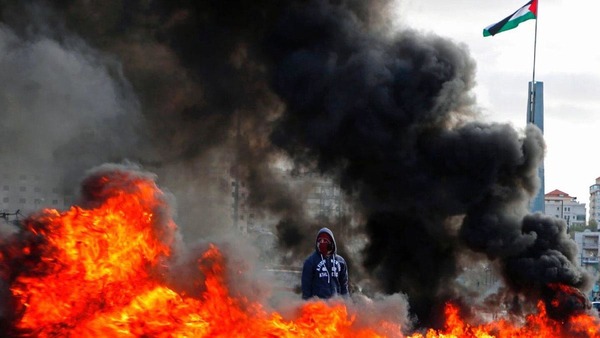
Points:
[[390, 115], [393, 112]]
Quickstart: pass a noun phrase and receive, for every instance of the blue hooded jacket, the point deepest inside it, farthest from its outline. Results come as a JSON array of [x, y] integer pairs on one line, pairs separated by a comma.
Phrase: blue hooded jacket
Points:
[[324, 277]]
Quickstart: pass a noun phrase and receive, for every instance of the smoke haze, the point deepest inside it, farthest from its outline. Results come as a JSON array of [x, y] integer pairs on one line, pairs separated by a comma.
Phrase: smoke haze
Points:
[[317, 85]]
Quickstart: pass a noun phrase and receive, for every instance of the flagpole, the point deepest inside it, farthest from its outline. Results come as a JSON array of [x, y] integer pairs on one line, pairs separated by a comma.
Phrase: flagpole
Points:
[[532, 92], [535, 45]]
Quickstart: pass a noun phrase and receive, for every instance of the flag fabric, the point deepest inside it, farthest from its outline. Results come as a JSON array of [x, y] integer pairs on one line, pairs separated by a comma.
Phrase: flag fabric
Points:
[[527, 12]]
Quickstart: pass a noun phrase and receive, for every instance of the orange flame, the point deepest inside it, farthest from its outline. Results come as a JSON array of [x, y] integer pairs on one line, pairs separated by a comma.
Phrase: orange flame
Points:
[[101, 273], [536, 325]]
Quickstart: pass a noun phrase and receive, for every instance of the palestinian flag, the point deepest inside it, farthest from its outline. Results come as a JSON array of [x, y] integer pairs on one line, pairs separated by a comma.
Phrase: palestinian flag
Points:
[[529, 11]]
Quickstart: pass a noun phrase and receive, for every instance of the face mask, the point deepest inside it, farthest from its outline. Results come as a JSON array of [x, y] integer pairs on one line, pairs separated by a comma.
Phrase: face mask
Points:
[[325, 246]]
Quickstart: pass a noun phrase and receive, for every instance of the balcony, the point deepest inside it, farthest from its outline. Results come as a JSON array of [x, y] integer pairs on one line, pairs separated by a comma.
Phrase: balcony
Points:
[[590, 260]]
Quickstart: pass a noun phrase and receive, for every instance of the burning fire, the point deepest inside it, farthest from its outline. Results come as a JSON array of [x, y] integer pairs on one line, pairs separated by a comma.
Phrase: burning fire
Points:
[[535, 325], [100, 271]]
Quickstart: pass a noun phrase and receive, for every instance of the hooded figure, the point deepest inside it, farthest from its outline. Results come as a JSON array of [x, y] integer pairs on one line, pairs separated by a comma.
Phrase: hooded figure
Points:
[[324, 274]]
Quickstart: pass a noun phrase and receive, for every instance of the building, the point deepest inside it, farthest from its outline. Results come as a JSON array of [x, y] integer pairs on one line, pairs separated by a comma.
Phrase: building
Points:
[[595, 202], [322, 201], [560, 205], [588, 253], [535, 115], [324, 198], [28, 188]]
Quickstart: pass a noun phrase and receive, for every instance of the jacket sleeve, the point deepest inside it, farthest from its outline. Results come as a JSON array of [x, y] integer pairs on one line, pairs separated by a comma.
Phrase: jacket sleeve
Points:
[[344, 291], [307, 277]]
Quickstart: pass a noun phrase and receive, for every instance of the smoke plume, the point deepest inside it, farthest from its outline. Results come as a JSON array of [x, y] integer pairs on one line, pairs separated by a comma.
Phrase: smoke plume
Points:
[[180, 87]]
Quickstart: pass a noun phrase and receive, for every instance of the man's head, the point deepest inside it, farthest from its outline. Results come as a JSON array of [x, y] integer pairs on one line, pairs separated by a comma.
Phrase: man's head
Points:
[[325, 244]]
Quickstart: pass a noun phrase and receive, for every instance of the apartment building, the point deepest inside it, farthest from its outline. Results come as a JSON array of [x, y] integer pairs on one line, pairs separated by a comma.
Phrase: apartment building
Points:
[[28, 188], [561, 205], [588, 253]]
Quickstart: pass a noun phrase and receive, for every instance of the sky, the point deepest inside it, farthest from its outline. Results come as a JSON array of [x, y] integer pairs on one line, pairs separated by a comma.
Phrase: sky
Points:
[[566, 61]]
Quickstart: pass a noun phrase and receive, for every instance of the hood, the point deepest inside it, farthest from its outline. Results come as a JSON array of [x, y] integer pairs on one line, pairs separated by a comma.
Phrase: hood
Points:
[[326, 230]]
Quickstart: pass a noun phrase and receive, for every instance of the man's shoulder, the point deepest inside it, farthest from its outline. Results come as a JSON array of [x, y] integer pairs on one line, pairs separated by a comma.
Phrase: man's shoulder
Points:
[[313, 256]]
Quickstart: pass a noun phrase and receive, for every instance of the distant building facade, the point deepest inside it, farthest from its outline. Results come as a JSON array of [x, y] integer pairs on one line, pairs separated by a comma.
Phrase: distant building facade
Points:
[[560, 205], [324, 198], [29, 188], [588, 255]]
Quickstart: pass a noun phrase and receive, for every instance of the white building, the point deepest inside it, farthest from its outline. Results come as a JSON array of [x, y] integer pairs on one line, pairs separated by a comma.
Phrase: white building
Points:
[[560, 205]]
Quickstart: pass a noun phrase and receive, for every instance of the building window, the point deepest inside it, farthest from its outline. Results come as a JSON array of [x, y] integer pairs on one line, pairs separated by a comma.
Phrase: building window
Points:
[[22, 189], [37, 189], [23, 177], [5, 200], [22, 200], [54, 202], [6, 188]]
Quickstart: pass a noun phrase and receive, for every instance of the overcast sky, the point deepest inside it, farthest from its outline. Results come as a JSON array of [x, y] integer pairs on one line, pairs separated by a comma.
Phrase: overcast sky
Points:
[[567, 62]]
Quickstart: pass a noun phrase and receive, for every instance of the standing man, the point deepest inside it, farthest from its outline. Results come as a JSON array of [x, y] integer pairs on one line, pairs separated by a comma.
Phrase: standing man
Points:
[[325, 273]]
